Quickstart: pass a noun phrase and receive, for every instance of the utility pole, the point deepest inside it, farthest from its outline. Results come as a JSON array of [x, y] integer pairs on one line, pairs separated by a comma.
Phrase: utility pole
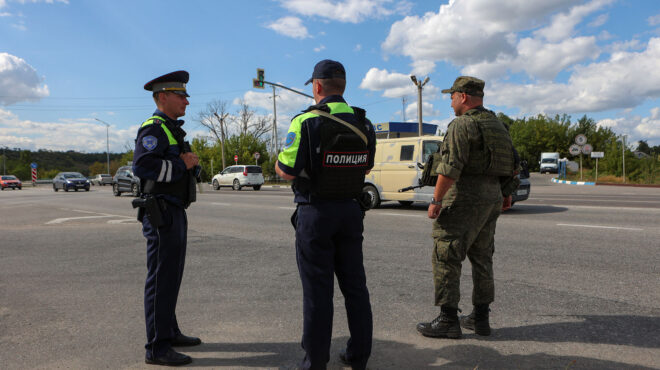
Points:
[[403, 109], [623, 156], [4, 160], [107, 142], [274, 146], [419, 85]]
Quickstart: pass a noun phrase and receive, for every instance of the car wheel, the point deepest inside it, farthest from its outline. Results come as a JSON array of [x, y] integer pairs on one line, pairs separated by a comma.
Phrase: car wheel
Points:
[[65, 188], [115, 190], [406, 203], [87, 189], [19, 188], [256, 187], [374, 198], [135, 190], [55, 188], [236, 185], [216, 186], [76, 189]]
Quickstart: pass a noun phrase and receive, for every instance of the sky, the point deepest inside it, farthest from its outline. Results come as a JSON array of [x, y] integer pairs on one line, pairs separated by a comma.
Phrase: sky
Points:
[[66, 64]]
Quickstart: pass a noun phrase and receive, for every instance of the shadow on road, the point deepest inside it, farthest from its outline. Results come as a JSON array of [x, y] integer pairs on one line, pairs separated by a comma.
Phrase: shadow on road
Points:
[[395, 355], [637, 331], [524, 209]]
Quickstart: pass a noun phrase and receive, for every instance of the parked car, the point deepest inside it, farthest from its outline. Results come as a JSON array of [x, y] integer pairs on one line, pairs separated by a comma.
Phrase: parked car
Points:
[[125, 181], [70, 180], [10, 181], [238, 177], [101, 179]]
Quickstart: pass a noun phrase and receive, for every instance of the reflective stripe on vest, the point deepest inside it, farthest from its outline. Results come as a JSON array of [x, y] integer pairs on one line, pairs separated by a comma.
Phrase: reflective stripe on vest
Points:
[[170, 137]]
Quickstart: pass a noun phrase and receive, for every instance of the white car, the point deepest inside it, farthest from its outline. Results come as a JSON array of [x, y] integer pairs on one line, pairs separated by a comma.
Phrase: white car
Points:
[[238, 177]]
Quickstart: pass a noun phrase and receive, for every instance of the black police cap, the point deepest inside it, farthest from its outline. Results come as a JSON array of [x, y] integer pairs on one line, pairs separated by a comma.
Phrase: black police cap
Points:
[[173, 82]]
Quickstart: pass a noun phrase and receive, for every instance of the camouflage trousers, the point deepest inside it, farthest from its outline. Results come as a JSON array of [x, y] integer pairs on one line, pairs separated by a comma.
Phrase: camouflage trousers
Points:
[[459, 231]]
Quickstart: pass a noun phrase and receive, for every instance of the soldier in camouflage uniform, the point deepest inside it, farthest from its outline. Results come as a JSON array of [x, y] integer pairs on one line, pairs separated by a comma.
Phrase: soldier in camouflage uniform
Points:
[[474, 183]]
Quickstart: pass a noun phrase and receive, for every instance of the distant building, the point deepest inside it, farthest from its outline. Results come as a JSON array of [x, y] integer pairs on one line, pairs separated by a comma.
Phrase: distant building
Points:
[[640, 155], [393, 130]]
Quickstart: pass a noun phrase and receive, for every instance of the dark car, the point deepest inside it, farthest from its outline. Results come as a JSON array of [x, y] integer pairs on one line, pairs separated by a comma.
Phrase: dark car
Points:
[[10, 182], [70, 180], [125, 181]]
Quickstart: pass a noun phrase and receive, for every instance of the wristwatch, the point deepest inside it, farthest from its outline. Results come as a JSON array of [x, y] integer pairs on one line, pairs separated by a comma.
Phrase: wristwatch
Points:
[[435, 202]]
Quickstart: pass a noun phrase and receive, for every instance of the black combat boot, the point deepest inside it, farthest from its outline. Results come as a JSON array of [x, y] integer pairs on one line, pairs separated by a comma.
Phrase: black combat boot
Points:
[[444, 326], [477, 320]]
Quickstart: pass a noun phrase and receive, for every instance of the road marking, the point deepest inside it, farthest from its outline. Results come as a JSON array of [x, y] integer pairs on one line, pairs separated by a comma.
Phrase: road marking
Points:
[[221, 204], [602, 227], [596, 200], [124, 221], [570, 206], [288, 208], [398, 214], [98, 215]]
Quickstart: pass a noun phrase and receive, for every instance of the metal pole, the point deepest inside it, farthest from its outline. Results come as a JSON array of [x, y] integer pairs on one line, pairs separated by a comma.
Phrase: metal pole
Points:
[[4, 161], [274, 146], [623, 157], [403, 110], [580, 166], [419, 108], [212, 172], [107, 141], [596, 180]]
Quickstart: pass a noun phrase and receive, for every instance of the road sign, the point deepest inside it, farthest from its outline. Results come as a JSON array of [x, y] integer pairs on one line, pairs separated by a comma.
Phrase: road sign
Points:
[[587, 148], [236, 158], [580, 139], [257, 155], [597, 154], [34, 174], [33, 165], [574, 149]]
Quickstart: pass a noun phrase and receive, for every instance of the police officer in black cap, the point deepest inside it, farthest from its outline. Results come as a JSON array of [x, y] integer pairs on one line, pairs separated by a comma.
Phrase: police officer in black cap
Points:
[[164, 167], [329, 149]]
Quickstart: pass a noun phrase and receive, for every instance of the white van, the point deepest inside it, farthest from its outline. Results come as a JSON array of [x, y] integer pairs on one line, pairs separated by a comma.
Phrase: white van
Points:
[[549, 162], [398, 165]]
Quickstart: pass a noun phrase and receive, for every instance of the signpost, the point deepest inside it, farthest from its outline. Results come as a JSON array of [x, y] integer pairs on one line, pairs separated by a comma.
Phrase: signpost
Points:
[[580, 147], [597, 155], [236, 159], [34, 173], [256, 158]]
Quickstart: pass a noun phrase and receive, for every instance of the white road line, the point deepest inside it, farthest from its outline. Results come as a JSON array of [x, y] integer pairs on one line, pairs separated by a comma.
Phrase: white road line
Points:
[[597, 200], [62, 220], [398, 214], [602, 227], [124, 221], [288, 208], [220, 204], [570, 206]]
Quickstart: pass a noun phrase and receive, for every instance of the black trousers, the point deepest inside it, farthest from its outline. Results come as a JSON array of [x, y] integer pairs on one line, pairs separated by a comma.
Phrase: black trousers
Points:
[[328, 243], [166, 255]]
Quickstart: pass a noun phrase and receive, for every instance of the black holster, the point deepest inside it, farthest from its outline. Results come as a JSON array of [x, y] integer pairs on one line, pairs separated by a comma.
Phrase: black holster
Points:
[[150, 206]]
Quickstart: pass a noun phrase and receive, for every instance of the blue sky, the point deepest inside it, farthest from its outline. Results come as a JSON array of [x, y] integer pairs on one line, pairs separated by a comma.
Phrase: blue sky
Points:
[[64, 64]]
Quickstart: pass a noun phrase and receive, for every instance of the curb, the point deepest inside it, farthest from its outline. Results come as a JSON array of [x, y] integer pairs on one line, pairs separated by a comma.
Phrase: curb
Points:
[[572, 182]]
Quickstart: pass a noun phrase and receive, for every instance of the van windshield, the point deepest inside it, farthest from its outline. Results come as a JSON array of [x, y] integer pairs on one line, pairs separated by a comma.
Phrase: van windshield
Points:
[[429, 148], [548, 160]]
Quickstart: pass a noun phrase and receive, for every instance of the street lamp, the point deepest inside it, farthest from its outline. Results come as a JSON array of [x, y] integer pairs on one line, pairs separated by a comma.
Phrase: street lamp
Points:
[[419, 85], [107, 141]]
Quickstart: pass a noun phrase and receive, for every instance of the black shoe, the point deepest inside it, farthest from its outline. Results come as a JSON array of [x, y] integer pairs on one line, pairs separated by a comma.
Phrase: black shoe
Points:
[[185, 341], [443, 326], [171, 358], [481, 326], [355, 365]]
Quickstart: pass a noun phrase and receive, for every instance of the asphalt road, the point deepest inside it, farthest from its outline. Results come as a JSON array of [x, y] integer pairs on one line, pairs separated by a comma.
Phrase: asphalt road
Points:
[[577, 272]]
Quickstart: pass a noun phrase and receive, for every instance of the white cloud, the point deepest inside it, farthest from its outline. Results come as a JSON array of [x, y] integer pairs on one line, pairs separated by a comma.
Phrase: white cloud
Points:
[[563, 25], [427, 111], [595, 87], [637, 128], [358, 47], [347, 11], [538, 59], [84, 135], [319, 48], [19, 81], [599, 21], [653, 20], [287, 102], [290, 26], [464, 32], [393, 84]]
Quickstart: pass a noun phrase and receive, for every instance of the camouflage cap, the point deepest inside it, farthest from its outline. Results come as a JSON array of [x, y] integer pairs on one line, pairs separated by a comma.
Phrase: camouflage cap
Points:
[[466, 84]]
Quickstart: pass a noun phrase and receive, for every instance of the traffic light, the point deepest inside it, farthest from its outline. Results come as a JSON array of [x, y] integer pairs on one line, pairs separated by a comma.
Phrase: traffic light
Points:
[[259, 81]]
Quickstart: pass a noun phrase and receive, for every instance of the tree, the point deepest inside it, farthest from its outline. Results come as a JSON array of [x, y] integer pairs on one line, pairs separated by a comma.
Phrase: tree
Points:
[[643, 146], [97, 168], [214, 118]]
